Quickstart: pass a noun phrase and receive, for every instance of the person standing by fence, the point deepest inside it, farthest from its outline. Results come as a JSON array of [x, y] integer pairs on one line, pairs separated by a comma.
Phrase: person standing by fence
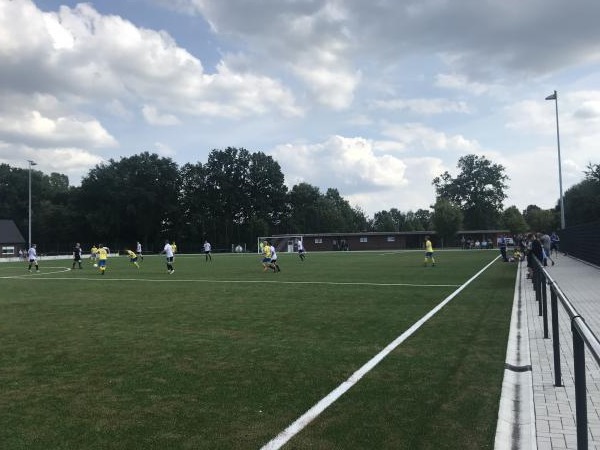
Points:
[[502, 246]]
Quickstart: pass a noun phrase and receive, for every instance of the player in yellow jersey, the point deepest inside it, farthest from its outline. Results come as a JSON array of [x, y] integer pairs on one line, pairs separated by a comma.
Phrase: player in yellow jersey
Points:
[[102, 253], [133, 258], [428, 252], [266, 261], [93, 254]]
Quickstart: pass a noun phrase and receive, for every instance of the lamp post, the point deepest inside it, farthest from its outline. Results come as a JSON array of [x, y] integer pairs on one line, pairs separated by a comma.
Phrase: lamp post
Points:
[[562, 202], [31, 163]]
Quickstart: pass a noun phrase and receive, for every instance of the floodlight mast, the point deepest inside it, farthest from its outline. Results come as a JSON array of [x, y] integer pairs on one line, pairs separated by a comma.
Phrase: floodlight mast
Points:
[[562, 201], [31, 163]]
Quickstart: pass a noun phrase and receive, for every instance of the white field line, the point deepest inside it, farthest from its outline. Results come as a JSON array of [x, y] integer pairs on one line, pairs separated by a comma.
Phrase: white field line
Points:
[[103, 278], [300, 423], [33, 273]]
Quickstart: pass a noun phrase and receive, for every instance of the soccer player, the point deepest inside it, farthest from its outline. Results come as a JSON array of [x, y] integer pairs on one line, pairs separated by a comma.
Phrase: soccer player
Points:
[[133, 258], [429, 252], [93, 254], [102, 254], [207, 250], [32, 256], [174, 247], [138, 250], [168, 251], [301, 252], [274, 264], [77, 255], [266, 261]]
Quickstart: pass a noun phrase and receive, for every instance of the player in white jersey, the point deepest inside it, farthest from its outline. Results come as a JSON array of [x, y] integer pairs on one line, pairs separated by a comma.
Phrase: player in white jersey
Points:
[[168, 251], [274, 260], [32, 256]]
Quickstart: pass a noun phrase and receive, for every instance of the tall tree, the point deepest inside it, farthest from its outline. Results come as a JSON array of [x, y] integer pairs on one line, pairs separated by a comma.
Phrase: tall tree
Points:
[[478, 189], [384, 221], [513, 220], [244, 192], [303, 199], [582, 202], [135, 198], [593, 172], [540, 219], [446, 219]]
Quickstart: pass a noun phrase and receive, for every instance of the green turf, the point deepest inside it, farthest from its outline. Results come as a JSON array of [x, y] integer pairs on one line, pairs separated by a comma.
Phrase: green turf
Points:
[[224, 355]]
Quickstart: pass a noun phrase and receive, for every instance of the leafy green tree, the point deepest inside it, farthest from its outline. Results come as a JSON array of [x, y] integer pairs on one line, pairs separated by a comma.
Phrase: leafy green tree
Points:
[[447, 220], [423, 216], [135, 198], [304, 217], [593, 172], [243, 191], [198, 217], [384, 221], [582, 202], [541, 220], [513, 220], [478, 189], [14, 195], [414, 222], [266, 191]]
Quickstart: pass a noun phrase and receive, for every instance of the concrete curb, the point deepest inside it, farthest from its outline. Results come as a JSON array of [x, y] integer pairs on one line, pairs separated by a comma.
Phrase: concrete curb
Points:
[[516, 413]]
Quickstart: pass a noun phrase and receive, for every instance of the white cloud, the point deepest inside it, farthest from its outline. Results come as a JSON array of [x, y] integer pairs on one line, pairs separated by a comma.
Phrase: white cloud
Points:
[[153, 117], [73, 162], [423, 106], [418, 137], [164, 150], [34, 128], [460, 82]]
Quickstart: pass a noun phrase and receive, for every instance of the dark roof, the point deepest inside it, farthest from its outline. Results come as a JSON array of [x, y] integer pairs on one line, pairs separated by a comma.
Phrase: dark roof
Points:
[[9, 233]]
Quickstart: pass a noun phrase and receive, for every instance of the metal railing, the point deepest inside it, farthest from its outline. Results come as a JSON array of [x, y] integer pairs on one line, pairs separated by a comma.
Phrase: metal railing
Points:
[[582, 337]]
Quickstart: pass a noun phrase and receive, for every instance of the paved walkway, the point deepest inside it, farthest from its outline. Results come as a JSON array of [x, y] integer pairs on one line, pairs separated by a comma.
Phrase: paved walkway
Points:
[[553, 408]]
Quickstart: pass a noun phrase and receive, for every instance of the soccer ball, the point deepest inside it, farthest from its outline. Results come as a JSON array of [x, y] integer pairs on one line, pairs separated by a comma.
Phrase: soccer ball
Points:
[[95, 265]]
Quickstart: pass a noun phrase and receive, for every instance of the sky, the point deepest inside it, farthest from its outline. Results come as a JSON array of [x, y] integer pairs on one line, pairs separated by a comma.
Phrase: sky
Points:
[[373, 98]]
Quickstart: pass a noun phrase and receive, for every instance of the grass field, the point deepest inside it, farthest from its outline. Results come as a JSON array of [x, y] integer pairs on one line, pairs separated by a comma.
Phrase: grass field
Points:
[[224, 356]]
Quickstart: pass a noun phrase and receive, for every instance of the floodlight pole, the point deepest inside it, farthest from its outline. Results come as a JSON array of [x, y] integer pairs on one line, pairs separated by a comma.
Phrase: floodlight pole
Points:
[[562, 201], [31, 163]]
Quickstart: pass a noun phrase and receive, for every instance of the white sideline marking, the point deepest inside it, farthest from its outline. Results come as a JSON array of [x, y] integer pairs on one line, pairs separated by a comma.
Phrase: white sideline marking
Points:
[[174, 280], [300, 423], [38, 274]]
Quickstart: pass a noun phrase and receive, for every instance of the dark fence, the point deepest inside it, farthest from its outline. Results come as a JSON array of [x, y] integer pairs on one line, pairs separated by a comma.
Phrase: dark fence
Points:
[[582, 337], [582, 242]]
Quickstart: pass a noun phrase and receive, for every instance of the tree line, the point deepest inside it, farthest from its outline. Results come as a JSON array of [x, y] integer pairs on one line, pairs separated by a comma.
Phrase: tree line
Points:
[[237, 195]]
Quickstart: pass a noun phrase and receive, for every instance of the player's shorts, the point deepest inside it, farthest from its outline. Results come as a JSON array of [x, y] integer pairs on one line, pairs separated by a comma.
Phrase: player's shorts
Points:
[[133, 259], [102, 263], [428, 254], [32, 260], [169, 259], [266, 260], [273, 260]]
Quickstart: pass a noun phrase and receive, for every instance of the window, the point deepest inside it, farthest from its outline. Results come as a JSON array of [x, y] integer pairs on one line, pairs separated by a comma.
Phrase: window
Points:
[[363, 239], [391, 238], [8, 250], [318, 240]]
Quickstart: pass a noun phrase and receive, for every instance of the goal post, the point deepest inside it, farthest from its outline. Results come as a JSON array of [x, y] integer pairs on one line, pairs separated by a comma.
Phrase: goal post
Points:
[[282, 244]]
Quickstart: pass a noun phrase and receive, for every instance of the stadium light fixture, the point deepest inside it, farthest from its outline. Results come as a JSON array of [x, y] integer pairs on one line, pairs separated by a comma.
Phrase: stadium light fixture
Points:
[[562, 201], [31, 163]]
